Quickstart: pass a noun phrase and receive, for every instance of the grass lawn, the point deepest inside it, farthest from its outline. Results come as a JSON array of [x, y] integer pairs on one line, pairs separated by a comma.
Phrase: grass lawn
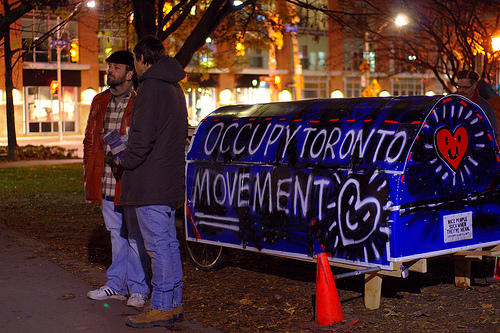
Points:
[[26, 181]]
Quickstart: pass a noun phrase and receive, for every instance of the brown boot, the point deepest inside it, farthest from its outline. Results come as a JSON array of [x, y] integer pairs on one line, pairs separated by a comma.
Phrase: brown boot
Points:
[[150, 318], [178, 314]]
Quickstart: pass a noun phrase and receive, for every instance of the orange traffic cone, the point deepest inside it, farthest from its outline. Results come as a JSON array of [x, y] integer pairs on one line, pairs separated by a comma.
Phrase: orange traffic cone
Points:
[[328, 308], [496, 272]]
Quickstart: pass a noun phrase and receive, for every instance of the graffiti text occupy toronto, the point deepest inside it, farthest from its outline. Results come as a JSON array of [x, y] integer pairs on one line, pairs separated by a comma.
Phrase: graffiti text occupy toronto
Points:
[[238, 139], [260, 191]]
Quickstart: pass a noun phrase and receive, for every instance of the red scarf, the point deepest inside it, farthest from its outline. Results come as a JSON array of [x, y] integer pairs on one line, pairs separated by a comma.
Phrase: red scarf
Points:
[[476, 93]]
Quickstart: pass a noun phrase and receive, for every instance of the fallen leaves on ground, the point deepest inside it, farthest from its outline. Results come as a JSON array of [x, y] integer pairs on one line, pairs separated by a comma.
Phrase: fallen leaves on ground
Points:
[[258, 293]]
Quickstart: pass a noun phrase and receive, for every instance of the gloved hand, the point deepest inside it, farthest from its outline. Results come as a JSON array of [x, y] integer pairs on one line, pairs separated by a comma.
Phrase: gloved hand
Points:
[[117, 143], [118, 157]]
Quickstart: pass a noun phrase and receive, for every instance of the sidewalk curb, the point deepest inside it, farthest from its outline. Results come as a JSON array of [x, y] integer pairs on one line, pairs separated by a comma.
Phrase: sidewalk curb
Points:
[[29, 163]]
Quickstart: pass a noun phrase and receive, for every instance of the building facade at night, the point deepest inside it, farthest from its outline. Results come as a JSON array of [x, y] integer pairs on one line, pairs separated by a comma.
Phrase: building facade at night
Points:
[[309, 63]]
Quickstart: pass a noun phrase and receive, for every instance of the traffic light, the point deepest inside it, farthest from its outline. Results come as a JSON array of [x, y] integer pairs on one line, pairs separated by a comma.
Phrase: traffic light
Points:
[[277, 82], [54, 87], [240, 46], [275, 31], [277, 38], [240, 49], [74, 51]]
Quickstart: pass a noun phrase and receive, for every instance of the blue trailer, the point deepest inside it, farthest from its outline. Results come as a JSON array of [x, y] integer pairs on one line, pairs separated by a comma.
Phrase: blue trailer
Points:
[[373, 182]]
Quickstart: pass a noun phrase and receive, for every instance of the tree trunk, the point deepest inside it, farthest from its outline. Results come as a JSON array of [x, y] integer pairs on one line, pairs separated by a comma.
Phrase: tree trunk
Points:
[[144, 18], [12, 152]]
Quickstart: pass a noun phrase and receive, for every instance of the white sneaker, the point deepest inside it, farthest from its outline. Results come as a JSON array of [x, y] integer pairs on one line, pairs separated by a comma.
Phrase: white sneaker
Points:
[[137, 300], [103, 293]]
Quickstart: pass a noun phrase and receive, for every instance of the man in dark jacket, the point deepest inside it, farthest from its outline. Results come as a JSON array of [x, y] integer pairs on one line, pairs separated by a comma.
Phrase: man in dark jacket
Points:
[[153, 180], [110, 115]]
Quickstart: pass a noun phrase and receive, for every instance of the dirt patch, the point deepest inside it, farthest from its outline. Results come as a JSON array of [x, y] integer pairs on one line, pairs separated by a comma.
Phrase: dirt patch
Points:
[[259, 293]]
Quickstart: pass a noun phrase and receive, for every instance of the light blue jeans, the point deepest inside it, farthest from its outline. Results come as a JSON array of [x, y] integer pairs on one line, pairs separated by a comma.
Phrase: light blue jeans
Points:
[[127, 274], [160, 237]]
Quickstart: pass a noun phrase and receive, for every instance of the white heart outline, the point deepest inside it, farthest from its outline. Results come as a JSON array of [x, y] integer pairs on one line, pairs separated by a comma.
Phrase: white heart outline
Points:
[[357, 205]]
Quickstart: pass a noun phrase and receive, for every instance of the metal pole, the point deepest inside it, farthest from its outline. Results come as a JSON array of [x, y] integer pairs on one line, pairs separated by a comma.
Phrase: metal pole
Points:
[[367, 58], [354, 273], [297, 67], [59, 88], [496, 74]]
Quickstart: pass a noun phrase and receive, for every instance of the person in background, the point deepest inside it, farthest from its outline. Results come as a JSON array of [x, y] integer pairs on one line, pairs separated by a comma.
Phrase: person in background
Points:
[[492, 96], [153, 180], [103, 145], [467, 83]]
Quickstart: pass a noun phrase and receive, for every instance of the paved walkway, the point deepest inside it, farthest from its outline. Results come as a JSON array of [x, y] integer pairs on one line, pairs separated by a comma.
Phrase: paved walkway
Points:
[[39, 296]]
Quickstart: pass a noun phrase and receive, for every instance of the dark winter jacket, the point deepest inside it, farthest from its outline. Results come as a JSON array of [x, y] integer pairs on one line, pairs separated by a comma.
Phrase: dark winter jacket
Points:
[[155, 158], [488, 110]]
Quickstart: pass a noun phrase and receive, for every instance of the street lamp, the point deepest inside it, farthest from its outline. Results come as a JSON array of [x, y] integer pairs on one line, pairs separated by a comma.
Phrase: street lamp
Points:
[[495, 43], [60, 44], [400, 20]]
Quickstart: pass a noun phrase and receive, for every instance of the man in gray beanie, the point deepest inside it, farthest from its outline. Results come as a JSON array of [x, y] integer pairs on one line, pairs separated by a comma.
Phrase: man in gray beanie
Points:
[[104, 144]]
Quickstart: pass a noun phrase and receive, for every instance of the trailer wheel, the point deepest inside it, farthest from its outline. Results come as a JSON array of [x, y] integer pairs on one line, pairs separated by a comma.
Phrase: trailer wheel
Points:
[[205, 256]]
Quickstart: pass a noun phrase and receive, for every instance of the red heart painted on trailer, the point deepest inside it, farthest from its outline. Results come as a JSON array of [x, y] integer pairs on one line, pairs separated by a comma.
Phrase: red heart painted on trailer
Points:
[[452, 146]]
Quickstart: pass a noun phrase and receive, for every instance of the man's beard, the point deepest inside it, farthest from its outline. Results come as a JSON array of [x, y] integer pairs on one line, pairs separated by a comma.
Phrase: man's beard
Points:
[[115, 81]]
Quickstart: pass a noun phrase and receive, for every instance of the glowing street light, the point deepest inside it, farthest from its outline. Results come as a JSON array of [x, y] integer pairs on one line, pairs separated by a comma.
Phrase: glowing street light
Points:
[[495, 43], [401, 20]]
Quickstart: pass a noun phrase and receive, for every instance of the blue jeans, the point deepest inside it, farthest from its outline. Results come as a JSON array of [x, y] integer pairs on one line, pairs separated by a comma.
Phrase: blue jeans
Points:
[[160, 237], [127, 274]]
